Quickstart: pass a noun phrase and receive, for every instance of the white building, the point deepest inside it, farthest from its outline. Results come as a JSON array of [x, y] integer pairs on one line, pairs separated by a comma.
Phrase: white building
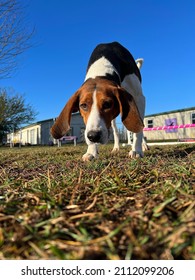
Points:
[[171, 118], [39, 133]]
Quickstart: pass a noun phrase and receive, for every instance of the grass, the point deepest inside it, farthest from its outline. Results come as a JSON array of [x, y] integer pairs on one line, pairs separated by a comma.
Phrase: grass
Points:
[[54, 206]]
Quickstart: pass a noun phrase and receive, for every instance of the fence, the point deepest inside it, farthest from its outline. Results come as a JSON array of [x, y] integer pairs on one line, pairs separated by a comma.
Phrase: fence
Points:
[[123, 132], [169, 127]]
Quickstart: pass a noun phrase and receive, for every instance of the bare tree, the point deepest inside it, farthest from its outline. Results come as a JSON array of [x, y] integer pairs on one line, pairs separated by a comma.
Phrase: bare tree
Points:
[[14, 36], [14, 111]]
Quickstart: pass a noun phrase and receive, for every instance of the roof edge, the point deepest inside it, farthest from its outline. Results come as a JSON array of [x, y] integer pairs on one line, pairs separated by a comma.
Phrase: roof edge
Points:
[[169, 112]]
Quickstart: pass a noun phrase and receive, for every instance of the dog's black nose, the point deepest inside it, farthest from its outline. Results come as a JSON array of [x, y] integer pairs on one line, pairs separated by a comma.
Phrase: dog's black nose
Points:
[[94, 136]]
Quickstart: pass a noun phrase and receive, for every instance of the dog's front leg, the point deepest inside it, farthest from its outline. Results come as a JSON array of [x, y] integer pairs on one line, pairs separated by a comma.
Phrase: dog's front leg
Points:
[[92, 152], [116, 137], [137, 150]]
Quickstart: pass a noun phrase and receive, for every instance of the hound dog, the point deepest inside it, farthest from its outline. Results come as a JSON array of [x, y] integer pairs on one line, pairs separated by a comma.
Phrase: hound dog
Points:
[[112, 86]]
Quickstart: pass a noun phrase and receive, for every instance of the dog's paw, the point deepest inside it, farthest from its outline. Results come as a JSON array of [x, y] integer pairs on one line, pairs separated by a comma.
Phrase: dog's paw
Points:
[[145, 147], [88, 157], [136, 154], [115, 151]]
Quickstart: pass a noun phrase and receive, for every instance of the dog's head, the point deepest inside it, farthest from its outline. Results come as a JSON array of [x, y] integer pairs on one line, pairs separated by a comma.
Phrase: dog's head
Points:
[[99, 102]]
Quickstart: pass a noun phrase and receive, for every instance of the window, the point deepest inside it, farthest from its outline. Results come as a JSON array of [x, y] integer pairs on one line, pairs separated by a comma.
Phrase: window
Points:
[[150, 123], [193, 118], [38, 138], [27, 136], [32, 136]]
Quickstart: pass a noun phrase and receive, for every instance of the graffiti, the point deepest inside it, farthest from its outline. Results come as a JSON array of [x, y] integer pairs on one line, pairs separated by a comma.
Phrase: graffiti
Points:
[[171, 122]]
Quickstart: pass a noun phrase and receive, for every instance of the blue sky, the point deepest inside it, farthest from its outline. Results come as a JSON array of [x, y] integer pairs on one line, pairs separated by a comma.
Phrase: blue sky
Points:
[[162, 32]]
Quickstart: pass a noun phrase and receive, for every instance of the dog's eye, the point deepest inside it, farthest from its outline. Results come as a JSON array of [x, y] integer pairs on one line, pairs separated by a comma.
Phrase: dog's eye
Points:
[[107, 105], [84, 106]]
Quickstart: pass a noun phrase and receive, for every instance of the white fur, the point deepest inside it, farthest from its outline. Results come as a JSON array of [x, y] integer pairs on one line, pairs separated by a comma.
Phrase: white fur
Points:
[[100, 67], [116, 136], [95, 123], [92, 152], [139, 62]]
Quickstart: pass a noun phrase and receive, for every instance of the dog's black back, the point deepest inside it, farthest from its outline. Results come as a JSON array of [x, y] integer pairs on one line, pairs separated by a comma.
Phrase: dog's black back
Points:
[[120, 58]]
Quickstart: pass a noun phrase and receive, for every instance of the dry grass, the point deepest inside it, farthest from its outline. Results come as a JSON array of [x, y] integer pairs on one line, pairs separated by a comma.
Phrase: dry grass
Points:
[[54, 206]]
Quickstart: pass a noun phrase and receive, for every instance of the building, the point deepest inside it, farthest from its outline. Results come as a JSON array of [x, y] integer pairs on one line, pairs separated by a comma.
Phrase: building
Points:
[[171, 118], [39, 133]]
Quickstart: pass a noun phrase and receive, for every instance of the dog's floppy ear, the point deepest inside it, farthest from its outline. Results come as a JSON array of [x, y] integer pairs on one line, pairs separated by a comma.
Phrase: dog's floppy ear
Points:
[[62, 123], [129, 112]]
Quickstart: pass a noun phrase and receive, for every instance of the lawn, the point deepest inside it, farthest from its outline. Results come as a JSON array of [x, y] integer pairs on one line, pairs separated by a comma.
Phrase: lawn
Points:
[[54, 206]]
